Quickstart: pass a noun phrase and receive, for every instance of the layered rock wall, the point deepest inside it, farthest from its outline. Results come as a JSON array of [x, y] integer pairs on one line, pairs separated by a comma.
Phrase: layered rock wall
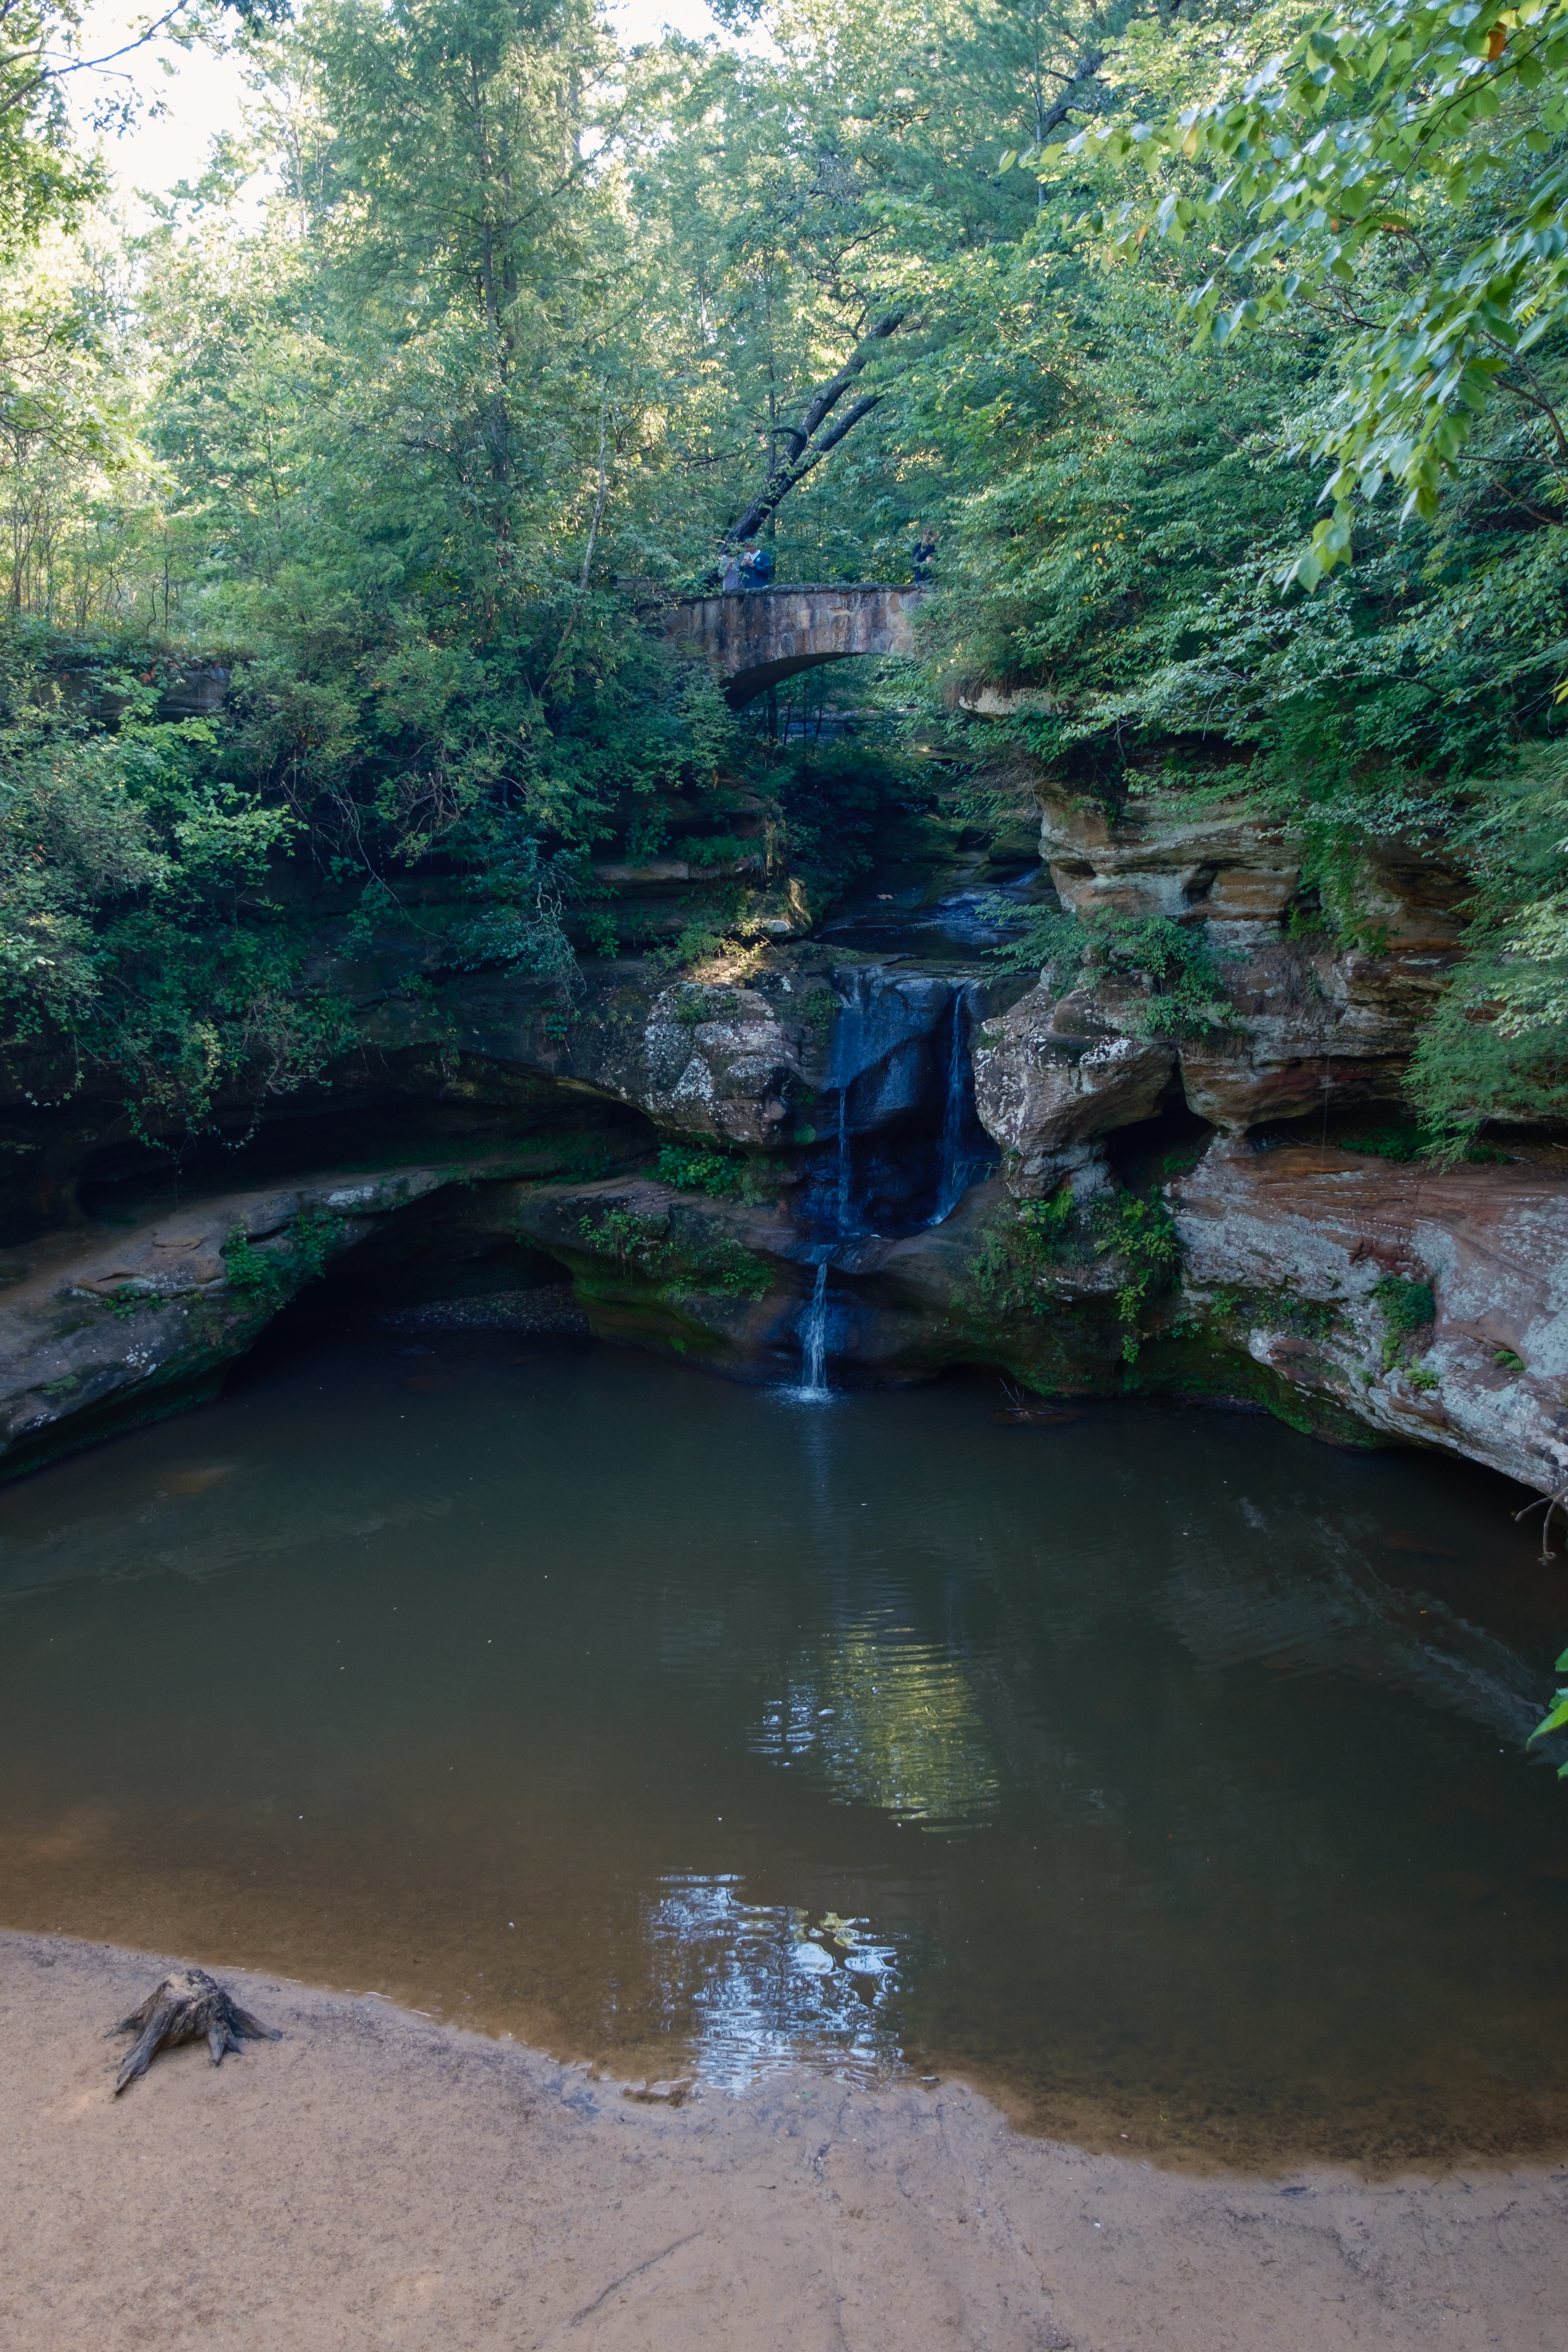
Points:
[[1304, 1255], [1176, 1206]]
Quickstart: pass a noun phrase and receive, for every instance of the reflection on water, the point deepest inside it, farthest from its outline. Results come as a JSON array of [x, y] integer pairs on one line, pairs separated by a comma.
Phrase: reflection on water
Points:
[[1162, 1769], [886, 1719], [761, 1983]]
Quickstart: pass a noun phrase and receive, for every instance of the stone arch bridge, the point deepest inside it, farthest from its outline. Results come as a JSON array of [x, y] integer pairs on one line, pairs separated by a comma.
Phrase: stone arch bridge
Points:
[[761, 637]]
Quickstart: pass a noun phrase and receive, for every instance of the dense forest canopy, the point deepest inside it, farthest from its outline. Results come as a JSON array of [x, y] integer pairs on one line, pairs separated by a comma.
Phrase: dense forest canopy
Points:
[[1236, 406]]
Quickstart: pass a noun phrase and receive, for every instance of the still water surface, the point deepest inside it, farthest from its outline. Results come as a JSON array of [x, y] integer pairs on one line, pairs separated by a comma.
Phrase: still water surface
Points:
[[1162, 1770]]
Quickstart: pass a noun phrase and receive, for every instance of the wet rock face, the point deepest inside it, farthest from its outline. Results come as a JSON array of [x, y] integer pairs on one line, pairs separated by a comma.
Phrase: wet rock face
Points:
[[1342, 1257], [882, 1056]]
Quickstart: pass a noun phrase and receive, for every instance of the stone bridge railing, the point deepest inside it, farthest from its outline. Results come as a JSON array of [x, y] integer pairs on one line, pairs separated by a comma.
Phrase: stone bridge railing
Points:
[[758, 638]]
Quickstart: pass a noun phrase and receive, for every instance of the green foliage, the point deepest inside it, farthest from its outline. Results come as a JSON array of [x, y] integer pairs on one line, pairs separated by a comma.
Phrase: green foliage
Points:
[[136, 934], [1408, 1143], [1312, 1319], [722, 928], [128, 1304], [703, 1262], [1385, 130], [1123, 510], [1187, 994], [1407, 1307], [1558, 1717], [1044, 940], [1007, 1275], [842, 806], [420, 452], [1142, 1234], [266, 1279], [1185, 988], [717, 1174], [1497, 1047], [716, 849]]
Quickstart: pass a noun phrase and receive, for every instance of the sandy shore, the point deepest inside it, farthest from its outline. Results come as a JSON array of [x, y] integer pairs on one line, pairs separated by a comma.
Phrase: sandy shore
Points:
[[374, 2181]]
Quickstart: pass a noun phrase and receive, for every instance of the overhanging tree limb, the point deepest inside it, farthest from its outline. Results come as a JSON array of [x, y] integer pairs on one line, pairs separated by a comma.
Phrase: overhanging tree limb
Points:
[[1072, 96], [804, 444]]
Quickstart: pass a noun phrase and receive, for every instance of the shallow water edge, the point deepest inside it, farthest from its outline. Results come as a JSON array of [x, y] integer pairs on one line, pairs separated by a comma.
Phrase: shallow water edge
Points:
[[104, 1974]]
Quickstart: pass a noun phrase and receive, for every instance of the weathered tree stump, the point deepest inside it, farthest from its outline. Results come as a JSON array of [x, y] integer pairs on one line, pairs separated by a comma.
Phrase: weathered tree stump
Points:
[[188, 2006]]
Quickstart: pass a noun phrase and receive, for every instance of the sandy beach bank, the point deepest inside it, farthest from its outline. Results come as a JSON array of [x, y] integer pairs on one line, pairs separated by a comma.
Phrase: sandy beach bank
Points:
[[379, 2182]]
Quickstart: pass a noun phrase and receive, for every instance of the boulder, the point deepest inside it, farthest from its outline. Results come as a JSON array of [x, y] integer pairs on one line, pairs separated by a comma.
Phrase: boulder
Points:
[[1051, 1075]]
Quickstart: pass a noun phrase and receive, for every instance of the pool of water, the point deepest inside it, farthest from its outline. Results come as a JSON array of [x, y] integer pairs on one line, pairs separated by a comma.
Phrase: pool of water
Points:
[[1160, 1770]]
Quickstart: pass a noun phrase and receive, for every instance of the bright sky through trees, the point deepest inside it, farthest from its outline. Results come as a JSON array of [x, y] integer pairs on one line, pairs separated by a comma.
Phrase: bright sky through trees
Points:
[[204, 94]]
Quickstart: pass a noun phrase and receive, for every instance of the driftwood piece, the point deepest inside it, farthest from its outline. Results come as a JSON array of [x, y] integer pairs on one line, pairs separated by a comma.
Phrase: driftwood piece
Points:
[[1558, 1502], [188, 2006], [1022, 1412]]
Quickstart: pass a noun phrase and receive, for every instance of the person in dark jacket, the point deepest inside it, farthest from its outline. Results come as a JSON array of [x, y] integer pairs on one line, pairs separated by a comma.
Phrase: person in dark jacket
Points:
[[757, 563]]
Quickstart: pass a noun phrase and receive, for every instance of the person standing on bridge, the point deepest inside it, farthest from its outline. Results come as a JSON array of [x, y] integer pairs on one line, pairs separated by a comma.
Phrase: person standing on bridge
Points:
[[922, 556], [731, 579], [757, 563]]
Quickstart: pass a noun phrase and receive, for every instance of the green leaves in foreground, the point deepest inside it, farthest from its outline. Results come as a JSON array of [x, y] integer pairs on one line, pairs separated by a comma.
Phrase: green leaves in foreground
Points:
[[1401, 168], [1558, 1719]]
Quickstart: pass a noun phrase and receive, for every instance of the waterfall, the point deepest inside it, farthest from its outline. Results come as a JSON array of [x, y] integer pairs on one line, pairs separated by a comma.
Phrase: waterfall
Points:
[[954, 1171], [813, 1340], [845, 1207], [880, 1050]]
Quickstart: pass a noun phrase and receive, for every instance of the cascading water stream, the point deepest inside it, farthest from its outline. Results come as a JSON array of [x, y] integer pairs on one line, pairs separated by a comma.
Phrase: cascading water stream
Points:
[[954, 1167], [844, 1202], [883, 1034], [814, 1385]]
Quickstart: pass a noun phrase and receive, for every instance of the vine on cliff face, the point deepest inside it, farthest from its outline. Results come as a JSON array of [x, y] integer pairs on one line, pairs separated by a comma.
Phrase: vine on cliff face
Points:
[[1407, 1307], [1142, 1234], [1009, 1275], [690, 1169], [1006, 1277]]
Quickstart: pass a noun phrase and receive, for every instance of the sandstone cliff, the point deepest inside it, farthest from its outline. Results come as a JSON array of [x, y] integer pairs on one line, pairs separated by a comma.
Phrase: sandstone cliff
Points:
[[955, 1170]]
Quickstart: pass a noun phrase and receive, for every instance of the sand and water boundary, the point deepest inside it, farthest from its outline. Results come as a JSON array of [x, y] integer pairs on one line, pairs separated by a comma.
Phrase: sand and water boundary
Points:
[[376, 2182]]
